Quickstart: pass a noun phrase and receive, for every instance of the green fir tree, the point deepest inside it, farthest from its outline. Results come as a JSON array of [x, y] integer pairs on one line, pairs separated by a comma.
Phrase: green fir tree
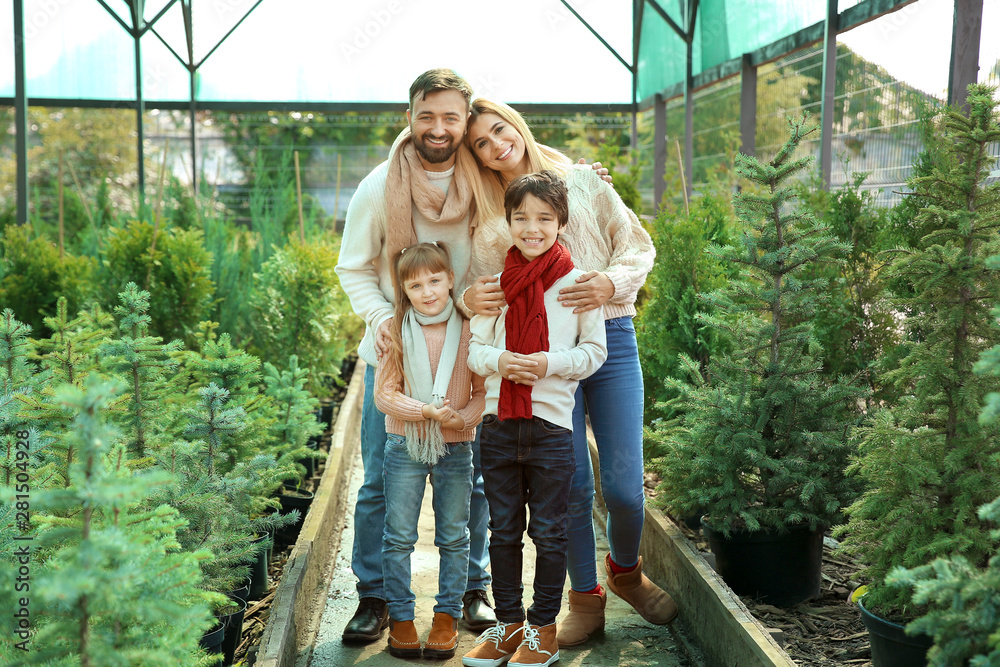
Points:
[[115, 589], [928, 460], [146, 364], [295, 419], [763, 443]]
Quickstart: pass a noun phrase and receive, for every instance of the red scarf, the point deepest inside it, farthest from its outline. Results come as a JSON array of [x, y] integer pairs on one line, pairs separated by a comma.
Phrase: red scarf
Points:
[[527, 326]]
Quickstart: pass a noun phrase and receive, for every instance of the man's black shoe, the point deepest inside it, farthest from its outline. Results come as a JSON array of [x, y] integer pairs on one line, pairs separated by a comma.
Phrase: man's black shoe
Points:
[[368, 623], [477, 612]]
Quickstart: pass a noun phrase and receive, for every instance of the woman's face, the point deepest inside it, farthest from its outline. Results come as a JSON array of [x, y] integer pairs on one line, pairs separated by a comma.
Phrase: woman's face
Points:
[[498, 146]]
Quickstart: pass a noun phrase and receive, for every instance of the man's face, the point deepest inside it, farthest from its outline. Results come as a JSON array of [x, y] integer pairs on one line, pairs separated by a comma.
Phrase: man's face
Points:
[[438, 124]]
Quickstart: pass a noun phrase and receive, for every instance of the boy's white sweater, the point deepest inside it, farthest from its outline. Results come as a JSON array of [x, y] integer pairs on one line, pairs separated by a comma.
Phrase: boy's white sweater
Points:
[[577, 348], [364, 266]]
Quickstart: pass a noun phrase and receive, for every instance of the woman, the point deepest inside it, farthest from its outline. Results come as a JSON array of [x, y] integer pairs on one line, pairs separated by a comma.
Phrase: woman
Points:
[[606, 241]]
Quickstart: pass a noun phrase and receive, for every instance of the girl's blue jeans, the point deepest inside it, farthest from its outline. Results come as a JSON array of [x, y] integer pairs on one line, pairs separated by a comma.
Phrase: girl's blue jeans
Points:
[[405, 480], [613, 396], [369, 512]]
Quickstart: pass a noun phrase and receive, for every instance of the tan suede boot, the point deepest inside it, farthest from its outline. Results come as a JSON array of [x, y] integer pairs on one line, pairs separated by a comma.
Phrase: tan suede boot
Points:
[[403, 639], [585, 618], [651, 601], [443, 639]]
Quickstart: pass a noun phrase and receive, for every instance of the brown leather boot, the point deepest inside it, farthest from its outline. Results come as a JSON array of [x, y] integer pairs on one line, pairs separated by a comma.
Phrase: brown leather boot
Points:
[[651, 601], [443, 639], [403, 640], [585, 618]]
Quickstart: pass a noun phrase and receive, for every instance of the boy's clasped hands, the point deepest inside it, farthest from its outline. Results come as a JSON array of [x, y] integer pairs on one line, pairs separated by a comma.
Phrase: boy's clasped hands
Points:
[[523, 368]]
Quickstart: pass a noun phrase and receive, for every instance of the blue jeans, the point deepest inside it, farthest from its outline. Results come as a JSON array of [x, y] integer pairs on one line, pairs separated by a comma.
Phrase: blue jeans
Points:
[[369, 512], [613, 397], [527, 462], [405, 480]]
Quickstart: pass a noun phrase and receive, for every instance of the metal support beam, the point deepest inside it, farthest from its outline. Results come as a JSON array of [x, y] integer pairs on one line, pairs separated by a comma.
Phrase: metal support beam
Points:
[[20, 114], [966, 35], [748, 107], [689, 119], [659, 151], [829, 92], [140, 107]]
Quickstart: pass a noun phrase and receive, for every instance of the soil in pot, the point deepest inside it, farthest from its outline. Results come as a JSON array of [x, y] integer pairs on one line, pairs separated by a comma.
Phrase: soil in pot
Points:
[[780, 569], [891, 646]]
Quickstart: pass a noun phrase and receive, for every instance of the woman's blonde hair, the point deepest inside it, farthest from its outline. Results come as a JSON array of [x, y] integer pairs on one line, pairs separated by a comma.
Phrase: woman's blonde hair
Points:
[[408, 262], [488, 189]]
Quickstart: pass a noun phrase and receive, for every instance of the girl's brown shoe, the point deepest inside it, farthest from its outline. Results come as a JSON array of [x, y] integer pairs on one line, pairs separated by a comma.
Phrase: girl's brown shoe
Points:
[[403, 640], [443, 639]]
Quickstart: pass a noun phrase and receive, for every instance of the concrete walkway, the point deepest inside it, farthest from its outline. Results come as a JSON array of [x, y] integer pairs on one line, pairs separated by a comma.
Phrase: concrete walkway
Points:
[[628, 640]]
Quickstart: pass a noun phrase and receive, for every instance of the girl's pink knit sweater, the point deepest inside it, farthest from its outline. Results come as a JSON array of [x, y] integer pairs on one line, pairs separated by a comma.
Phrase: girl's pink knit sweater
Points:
[[467, 391]]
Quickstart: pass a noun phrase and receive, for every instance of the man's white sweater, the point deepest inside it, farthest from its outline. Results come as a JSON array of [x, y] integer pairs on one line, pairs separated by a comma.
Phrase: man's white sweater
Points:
[[577, 348], [364, 264]]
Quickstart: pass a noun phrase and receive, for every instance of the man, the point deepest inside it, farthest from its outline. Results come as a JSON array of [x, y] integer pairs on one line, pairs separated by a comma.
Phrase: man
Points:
[[422, 193]]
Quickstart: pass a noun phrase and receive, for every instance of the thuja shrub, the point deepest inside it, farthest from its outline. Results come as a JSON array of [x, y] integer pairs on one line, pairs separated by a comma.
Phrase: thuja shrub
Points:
[[176, 270]]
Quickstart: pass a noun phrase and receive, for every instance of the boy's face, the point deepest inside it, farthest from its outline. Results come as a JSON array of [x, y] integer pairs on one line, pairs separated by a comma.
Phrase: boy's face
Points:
[[534, 227]]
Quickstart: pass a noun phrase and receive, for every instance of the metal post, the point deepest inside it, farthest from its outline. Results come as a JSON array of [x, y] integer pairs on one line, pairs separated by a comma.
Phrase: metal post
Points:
[[659, 150], [20, 114], [140, 110], [966, 35], [689, 119], [193, 108], [748, 107], [829, 92]]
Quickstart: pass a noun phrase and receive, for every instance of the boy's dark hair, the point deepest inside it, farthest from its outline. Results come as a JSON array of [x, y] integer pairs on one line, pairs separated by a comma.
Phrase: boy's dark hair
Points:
[[434, 80], [546, 185]]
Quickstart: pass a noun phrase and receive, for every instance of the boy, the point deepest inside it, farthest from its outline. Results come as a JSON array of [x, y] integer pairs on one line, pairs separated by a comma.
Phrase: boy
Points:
[[533, 355]]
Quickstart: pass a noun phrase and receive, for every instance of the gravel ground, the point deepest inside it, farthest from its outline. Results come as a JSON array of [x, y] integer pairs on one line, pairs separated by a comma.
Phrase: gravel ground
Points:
[[628, 640]]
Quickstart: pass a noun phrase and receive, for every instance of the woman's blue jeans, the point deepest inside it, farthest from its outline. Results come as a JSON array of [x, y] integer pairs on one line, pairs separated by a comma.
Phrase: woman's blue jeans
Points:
[[405, 480], [369, 512], [613, 396], [527, 462]]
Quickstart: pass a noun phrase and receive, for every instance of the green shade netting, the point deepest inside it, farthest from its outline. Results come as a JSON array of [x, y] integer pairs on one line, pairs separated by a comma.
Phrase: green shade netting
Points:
[[726, 29]]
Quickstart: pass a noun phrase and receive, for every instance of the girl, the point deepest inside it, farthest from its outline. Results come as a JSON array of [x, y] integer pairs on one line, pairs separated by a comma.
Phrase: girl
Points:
[[432, 403], [609, 244]]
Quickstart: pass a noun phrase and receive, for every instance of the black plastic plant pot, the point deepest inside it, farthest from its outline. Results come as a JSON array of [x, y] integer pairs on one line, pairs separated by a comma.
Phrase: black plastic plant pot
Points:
[[258, 574], [234, 631], [243, 591], [779, 569], [891, 646], [211, 641], [297, 499]]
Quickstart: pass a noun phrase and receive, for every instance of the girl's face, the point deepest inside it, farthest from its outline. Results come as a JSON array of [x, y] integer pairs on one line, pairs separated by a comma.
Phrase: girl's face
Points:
[[498, 146], [429, 292]]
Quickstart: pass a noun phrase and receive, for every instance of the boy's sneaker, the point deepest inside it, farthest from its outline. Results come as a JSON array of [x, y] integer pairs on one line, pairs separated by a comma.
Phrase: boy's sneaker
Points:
[[495, 646], [539, 647]]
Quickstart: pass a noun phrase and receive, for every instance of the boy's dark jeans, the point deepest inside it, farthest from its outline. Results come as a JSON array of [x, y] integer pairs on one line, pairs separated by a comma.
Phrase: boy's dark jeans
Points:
[[527, 462]]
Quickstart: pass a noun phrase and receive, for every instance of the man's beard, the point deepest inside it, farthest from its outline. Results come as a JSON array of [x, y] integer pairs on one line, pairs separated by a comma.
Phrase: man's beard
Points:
[[433, 154]]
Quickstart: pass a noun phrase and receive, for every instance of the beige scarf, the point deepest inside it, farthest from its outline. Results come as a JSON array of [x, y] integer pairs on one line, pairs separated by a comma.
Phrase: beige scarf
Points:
[[407, 182]]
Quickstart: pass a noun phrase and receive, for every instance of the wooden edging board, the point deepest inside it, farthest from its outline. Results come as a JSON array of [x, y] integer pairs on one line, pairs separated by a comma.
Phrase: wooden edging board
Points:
[[295, 615], [716, 619]]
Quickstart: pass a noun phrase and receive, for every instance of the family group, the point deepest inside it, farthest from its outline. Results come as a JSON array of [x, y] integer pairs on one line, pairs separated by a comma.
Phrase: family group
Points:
[[497, 282]]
